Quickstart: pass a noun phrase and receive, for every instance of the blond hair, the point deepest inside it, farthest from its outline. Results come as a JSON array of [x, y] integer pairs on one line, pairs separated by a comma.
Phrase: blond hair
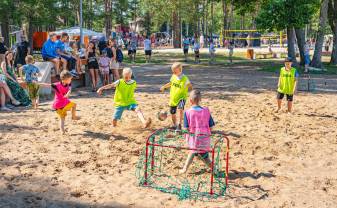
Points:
[[176, 65], [29, 59], [127, 71], [65, 74], [195, 96]]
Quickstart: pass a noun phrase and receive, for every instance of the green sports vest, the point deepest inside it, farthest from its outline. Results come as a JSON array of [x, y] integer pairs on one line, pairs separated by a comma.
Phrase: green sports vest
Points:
[[287, 81], [124, 94], [178, 90]]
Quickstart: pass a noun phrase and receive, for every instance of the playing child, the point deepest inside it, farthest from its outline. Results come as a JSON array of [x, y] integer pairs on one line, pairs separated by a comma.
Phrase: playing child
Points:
[[287, 85], [31, 78], [104, 64], [196, 48], [231, 51], [62, 104], [198, 121], [124, 97], [211, 52], [179, 86]]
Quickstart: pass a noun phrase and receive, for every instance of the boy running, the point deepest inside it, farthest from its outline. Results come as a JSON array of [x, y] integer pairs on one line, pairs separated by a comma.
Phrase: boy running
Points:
[[179, 86], [124, 98], [287, 84]]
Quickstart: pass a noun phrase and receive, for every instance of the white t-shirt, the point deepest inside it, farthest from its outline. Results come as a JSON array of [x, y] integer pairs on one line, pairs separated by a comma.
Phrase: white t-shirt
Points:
[[196, 46], [147, 44]]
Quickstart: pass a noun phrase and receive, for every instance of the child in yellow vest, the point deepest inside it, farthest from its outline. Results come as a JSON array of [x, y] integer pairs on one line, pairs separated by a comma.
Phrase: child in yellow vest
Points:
[[124, 98], [179, 86], [287, 84]]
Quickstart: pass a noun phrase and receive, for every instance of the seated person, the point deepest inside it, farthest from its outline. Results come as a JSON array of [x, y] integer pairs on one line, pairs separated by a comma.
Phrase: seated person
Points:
[[76, 54], [65, 56], [49, 52]]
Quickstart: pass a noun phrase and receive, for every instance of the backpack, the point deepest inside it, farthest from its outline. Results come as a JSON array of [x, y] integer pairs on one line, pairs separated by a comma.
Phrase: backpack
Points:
[[119, 55]]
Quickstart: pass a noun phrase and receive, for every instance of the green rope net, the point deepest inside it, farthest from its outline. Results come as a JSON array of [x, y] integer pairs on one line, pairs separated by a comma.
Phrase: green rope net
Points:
[[165, 154]]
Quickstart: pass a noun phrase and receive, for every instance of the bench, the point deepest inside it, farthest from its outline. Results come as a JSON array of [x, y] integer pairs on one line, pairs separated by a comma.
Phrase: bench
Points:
[[264, 55]]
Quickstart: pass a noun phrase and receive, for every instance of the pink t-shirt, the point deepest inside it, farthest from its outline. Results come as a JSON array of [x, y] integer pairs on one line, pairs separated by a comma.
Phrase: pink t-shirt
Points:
[[60, 91]]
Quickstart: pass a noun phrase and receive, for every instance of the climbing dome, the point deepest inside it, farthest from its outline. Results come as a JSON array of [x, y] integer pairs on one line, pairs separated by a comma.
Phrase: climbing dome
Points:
[[165, 153]]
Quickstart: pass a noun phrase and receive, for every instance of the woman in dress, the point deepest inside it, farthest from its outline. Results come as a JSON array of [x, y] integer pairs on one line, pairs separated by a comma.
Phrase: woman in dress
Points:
[[17, 91]]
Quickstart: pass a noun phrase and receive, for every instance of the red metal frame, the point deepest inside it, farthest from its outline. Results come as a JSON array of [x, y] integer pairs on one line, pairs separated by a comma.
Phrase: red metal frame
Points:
[[186, 148]]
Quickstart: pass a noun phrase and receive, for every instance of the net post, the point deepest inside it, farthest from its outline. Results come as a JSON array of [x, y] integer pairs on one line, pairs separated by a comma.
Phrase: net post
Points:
[[152, 156], [145, 168], [212, 172], [227, 160]]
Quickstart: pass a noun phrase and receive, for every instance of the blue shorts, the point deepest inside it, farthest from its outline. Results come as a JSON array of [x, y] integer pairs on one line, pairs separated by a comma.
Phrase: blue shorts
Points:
[[120, 109], [306, 59], [67, 58]]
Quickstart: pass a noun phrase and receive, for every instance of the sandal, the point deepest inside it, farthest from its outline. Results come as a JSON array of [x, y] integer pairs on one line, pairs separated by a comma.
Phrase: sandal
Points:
[[5, 109], [15, 102]]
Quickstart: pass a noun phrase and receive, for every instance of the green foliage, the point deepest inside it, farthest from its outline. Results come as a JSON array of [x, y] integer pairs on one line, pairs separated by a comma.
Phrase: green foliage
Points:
[[280, 14]]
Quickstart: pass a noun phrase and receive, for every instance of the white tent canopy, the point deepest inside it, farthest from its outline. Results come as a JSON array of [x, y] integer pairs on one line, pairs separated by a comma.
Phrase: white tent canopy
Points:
[[76, 31]]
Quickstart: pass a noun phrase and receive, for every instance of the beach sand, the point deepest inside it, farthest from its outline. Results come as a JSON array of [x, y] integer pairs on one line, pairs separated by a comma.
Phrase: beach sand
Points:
[[276, 159]]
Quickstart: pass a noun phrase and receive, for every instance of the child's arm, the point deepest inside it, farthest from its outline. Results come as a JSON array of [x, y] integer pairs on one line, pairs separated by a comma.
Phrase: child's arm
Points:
[[109, 86], [20, 72], [68, 93], [279, 82], [190, 87], [167, 85], [295, 86]]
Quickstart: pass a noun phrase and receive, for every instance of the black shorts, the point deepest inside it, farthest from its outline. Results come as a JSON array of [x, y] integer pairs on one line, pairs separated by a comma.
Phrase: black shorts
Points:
[[280, 96], [181, 105], [148, 52], [130, 52], [93, 65], [186, 51], [197, 54], [202, 155]]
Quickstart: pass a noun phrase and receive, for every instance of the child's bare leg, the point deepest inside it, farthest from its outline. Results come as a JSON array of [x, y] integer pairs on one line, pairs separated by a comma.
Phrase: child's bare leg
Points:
[[188, 162], [96, 78], [290, 106], [141, 117], [114, 123], [207, 161], [181, 114], [34, 103], [174, 119], [73, 113], [279, 103], [62, 120]]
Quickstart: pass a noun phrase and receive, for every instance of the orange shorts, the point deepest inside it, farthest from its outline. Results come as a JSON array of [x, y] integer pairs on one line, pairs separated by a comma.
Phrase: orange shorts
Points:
[[63, 112]]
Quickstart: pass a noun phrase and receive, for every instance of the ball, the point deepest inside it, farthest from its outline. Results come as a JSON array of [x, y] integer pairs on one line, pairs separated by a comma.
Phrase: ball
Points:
[[162, 115]]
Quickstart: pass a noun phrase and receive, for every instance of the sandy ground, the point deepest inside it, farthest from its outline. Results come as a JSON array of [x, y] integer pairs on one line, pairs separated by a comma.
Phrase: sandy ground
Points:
[[277, 160]]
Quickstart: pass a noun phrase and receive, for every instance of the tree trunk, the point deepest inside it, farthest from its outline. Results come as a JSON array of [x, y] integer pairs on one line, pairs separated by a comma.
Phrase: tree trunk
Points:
[[231, 19], [108, 18], [300, 35], [317, 58], [176, 29], [332, 15], [31, 30], [91, 13], [212, 18], [5, 31], [291, 44]]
